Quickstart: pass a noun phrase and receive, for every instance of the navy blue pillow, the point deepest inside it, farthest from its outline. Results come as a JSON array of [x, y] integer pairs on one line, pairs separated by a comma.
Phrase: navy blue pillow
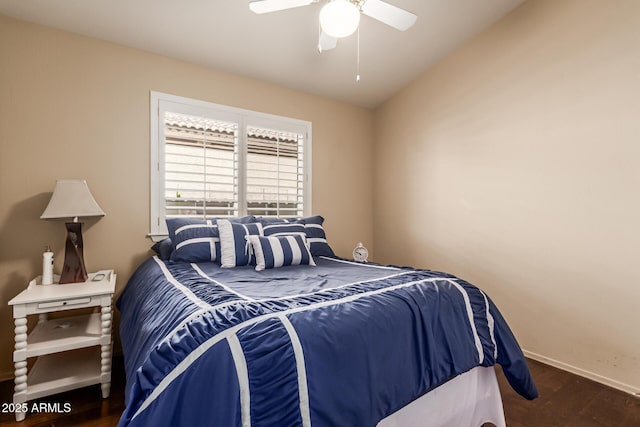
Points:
[[194, 240], [163, 248], [280, 251], [269, 220], [235, 249], [316, 237], [283, 229]]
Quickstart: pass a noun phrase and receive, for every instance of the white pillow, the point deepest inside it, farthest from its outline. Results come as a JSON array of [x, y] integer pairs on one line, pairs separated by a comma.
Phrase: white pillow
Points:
[[234, 247]]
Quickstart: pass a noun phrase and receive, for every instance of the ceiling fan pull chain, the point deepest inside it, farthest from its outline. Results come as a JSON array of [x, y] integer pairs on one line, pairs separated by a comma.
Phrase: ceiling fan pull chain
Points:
[[358, 56]]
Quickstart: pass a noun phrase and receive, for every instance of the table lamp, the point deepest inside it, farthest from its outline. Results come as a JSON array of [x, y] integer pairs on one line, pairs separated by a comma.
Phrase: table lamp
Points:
[[72, 199]]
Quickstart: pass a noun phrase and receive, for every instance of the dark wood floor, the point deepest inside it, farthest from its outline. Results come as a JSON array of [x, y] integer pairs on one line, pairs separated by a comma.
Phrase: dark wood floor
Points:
[[565, 401]]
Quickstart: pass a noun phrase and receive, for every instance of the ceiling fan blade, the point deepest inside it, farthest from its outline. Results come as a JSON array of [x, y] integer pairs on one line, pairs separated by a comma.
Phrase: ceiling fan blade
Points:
[[393, 16], [326, 42], [266, 6]]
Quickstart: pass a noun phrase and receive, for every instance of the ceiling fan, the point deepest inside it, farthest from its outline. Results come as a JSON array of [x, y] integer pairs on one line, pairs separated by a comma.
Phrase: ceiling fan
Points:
[[341, 18]]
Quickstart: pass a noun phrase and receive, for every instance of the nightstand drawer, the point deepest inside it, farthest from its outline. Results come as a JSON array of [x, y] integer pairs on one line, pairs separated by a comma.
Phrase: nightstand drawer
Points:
[[64, 303]]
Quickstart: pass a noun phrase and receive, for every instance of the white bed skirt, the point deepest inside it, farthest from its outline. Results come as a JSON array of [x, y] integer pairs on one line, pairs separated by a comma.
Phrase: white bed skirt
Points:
[[468, 400]]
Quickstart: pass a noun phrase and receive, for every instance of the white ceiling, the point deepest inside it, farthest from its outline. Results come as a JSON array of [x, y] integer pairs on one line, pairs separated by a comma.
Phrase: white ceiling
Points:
[[279, 47]]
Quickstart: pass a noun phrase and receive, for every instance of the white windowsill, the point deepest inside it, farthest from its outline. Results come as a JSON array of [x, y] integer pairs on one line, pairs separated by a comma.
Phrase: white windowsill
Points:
[[157, 237]]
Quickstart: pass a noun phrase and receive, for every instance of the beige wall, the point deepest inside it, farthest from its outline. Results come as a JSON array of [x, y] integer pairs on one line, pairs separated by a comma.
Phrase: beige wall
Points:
[[518, 158], [512, 163], [75, 107]]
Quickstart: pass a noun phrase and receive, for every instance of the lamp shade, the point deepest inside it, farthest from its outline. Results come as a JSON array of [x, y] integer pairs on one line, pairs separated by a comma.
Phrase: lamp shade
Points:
[[71, 198], [339, 18]]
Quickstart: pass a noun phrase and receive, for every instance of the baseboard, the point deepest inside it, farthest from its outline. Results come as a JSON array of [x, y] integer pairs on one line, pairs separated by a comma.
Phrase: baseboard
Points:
[[634, 391], [6, 376]]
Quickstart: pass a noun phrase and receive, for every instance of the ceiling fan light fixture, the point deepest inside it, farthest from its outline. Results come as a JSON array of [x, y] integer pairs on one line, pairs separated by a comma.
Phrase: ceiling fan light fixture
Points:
[[339, 18]]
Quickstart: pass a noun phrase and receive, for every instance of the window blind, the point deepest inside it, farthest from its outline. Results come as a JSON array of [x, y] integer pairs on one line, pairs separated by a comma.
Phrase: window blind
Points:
[[275, 173], [201, 167], [202, 159]]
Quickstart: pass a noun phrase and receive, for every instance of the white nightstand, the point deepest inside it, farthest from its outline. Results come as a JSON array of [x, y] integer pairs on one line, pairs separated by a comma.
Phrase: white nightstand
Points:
[[83, 363]]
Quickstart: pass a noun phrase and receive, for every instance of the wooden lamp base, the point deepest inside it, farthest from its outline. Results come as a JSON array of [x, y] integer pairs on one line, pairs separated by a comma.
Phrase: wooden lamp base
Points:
[[73, 270]]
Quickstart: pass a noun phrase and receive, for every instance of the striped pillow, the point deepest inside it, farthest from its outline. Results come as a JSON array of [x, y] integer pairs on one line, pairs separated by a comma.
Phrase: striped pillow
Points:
[[269, 220], [284, 229], [316, 237], [280, 251], [234, 246], [193, 240]]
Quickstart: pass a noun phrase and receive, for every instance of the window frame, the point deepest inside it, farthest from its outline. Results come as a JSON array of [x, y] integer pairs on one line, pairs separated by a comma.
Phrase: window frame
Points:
[[161, 102]]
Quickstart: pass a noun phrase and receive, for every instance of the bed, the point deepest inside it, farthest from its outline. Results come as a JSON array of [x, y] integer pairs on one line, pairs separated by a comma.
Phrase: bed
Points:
[[329, 342]]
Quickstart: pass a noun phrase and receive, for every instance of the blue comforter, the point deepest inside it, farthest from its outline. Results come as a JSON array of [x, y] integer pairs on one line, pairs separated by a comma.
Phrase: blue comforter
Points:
[[339, 344]]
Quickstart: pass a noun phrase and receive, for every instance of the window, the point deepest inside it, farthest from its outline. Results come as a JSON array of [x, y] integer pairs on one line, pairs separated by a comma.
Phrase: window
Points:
[[210, 160]]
